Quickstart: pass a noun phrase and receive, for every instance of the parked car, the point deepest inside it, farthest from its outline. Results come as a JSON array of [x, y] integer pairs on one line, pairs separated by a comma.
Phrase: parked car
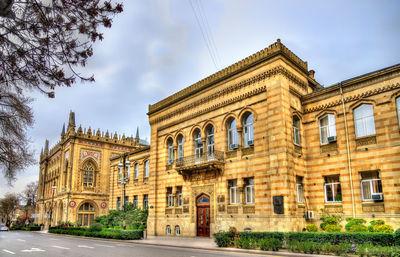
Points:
[[3, 228]]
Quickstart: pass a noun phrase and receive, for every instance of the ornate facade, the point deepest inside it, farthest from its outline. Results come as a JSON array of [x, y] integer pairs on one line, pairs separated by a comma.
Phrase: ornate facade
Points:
[[74, 179], [262, 146]]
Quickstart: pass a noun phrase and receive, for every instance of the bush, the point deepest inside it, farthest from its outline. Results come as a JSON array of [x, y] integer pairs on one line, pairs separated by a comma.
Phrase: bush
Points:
[[358, 228], [262, 235], [96, 227], [312, 228], [246, 243], [111, 234], [397, 237], [270, 244], [309, 247], [333, 228], [223, 239], [352, 221], [383, 228]]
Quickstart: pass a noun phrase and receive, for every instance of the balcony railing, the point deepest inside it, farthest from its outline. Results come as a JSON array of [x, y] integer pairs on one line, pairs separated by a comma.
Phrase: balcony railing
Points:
[[200, 160]]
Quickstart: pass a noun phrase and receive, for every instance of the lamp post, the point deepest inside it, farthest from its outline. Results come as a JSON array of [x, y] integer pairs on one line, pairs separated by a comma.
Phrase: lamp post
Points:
[[125, 178], [52, 200]]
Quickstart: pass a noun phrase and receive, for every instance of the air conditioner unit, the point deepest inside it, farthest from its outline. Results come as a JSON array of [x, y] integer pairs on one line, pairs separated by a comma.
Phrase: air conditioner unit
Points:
[[170, 161], [377, 197], [332, 139], [250, 142], [234, 146], [309, 215]]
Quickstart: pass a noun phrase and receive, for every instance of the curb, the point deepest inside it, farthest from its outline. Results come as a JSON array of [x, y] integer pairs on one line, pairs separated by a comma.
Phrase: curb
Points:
[[232, 250]]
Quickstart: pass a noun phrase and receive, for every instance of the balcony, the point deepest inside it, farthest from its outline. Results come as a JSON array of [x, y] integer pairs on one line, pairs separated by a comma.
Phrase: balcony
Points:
[[197, 163]]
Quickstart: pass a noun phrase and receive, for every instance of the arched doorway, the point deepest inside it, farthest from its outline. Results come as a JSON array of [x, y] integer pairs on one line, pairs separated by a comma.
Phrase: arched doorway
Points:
[[203, 215], [86, 214]]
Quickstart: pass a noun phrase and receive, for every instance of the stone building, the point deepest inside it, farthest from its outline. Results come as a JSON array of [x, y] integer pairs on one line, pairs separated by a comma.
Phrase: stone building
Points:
[[262, 146], [74, 178]]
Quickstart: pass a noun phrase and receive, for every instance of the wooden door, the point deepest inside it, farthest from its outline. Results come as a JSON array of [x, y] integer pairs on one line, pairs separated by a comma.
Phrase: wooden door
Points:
[[203, 216]]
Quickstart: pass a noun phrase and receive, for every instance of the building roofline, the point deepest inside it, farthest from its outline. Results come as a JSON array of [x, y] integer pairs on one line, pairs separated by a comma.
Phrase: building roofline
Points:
[[141, 149], [271, 51], [354, 80]]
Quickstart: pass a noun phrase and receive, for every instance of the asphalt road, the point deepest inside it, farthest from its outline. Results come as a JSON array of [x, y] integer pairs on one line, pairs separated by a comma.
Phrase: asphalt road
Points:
[[29, 244]]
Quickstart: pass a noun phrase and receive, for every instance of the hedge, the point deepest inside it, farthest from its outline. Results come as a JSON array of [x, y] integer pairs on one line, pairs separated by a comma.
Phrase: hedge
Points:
[[224, 239], [111, 234]]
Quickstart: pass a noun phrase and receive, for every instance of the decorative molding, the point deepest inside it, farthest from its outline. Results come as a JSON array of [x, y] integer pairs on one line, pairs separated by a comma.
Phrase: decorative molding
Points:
[[329, 147], [95, 155], [267, 53], [231, 154], [248, 150], [249, 209], [353, 98], [373, 207], [235, 87], [232, 209], [369, 140]]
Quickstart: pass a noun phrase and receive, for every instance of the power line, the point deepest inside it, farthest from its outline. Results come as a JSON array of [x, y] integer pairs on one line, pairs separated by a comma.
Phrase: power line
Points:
[[204, 36]]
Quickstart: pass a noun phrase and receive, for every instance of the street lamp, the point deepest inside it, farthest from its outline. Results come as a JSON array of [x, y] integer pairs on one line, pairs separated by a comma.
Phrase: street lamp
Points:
[[124, 179], [52, 199]]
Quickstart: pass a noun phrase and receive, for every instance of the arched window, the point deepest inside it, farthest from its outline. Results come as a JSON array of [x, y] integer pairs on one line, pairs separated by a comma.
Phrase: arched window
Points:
[[180, 147], [198, 146], [233, 136], [398, 108], [177, 230], [296, 130], [168, 230], [364, 120], [136, 175], [170, 145], [248, 130], [86, 214], [88, 174], [210, 142], [146, 169], [327, 128]]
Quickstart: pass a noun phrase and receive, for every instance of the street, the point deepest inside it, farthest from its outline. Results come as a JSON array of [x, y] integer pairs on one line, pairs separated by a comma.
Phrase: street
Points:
[[21, 243]]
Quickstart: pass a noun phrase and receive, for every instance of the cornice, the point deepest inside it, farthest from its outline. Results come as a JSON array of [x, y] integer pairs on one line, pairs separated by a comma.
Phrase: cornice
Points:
[[271, 51], [235, 87], [216, 106], [353, 98], [141, 149]]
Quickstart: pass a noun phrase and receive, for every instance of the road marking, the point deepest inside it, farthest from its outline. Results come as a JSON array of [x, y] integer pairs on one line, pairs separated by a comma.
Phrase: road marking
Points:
[[61, 247], [7, 251], [22, 240], [105, 245], [33, 250], [85, 246]]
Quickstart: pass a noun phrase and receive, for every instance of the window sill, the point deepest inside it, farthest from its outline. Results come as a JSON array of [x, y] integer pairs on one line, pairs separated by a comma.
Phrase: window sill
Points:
[[333, 203]]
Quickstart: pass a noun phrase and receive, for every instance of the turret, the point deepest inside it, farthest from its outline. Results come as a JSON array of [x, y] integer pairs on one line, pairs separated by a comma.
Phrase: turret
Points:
[[46, 147], [63, 131], [71, 122], [137, 138]]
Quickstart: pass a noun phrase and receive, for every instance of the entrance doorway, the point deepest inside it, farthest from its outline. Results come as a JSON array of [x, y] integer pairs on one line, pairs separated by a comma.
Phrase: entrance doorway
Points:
[[86, 215], [203, 215]]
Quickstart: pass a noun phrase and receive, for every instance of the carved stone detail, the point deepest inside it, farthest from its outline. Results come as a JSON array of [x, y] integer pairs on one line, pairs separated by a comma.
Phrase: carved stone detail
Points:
[[169, 210], [297, 149], [221, 199], [196, 191], [366, 140], [232, 209], [336, 208], [178, 210], [248, 150], [221, 207], [329, 147], [373, 207], [249, 209], [231, 154]]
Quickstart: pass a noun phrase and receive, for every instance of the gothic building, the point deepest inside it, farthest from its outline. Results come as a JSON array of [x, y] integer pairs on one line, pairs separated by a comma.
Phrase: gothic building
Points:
[[74, 179]]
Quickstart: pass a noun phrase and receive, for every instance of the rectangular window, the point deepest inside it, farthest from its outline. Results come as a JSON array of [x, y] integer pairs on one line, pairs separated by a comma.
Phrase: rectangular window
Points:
[[119, 173], [145, 201], [333, 190], [136, 175], [234, 197], [364, 120], [296, 130], [249, 192], [146, 169], [327, 128], [179, 196], [398, 108], [128, 171], [299, 188], [119, 203], [371, 186], [126, 200], [135, 201], [170, 197]]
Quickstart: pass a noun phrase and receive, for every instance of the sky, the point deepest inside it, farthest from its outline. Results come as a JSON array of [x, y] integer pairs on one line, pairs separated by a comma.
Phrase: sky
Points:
[[156, 48]]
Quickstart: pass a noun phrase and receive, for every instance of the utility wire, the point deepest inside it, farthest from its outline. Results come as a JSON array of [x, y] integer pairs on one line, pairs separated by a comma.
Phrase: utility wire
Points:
[[209, 32], [204, 37]]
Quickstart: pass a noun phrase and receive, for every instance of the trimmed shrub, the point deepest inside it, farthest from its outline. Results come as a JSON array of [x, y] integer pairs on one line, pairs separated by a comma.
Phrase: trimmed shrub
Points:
[[246, 243], [312, 228], [333, 228], [397, 237], [358, 228], [383, 228], [223, 239], [262, 235], [352, 221], [96, 227], [111, 234], [270, 244]]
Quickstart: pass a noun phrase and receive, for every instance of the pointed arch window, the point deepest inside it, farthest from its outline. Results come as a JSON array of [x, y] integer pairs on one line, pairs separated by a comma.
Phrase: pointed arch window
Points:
[[248, 130], [364, 120], [180, 147], [88, 174], [233, 136], [170, 145]]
